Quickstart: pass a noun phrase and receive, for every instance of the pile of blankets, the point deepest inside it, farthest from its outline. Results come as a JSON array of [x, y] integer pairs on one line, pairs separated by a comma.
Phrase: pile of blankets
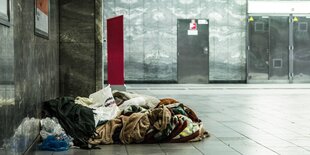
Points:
[[120, 117]]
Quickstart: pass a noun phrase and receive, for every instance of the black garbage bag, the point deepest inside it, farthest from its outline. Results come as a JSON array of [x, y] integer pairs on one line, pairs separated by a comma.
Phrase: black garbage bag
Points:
[[77, 120]]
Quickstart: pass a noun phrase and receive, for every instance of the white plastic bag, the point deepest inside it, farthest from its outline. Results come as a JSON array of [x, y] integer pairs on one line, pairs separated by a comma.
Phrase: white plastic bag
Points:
[[102, 97], [104, 105], [50, 127], [105, 113]]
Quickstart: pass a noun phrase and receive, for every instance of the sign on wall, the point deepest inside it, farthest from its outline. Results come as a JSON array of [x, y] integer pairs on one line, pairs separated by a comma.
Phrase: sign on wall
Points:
[[42, 18], [4, 12], [193, 25], [192, 28]]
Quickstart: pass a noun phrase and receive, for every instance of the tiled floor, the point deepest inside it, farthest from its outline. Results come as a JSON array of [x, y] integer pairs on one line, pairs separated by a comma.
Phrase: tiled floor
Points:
[[242, 119]]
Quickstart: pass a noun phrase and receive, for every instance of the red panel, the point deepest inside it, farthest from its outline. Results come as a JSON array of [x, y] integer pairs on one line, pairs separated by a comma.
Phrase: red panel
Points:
[[115, 40]]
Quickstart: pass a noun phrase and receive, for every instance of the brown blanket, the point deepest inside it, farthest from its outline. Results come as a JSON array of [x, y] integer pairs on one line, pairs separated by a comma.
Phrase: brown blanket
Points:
[[160, 117], [134, 128], [105, 132]]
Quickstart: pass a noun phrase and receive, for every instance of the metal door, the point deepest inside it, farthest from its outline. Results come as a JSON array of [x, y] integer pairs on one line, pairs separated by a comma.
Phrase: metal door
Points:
[[193, 51], [258, 54], [268, 48], [301, 49], [279, 51]]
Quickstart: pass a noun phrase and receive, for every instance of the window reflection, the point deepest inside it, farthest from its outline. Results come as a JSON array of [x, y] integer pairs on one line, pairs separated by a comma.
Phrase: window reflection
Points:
[[6, 95], [6, 77]]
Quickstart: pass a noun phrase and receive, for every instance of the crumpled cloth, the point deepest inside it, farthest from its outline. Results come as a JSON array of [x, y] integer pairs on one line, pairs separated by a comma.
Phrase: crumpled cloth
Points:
[[180, 108], [134, 128], [101, 112], [136, 101], [105, 132], [190, 129], [160, 117], [133, 109], [84, 101], [77, 120], [167, 123], [149, 102], [167, 101]]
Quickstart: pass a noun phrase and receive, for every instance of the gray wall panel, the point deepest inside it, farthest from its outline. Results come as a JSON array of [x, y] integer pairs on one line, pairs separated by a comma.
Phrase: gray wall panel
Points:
[[77, 69], [6, 55], [135, 56], [108, 12], [77, 20], [78, 45], [218, 40], [99, 43], [159, 41], [236, 15]]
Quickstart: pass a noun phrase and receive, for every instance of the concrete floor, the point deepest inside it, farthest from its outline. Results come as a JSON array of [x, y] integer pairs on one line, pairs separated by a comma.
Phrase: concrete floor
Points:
[[242, 119]]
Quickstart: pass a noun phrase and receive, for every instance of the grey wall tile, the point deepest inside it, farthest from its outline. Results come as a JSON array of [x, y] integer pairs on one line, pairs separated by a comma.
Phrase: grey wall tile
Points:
[[80, 47], [33, 72], [77, 69], [77, 21], [99, 43]]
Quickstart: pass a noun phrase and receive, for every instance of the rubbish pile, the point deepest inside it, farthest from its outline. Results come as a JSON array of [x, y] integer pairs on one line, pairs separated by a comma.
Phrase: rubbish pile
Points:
[[116, 117]]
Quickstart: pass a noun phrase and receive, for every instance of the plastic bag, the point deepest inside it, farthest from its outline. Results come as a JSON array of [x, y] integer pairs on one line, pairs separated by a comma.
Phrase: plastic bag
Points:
[[105, 113], [51, 143], [50, 127], [102, 97]]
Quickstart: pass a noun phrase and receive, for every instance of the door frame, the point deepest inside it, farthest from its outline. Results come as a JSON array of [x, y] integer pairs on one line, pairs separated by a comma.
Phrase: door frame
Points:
[[290, 48], [208, 55]]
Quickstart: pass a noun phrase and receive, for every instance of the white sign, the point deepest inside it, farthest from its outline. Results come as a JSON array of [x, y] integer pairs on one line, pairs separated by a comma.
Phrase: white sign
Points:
[[41, 21], [41, 17], [202, 22], [278, 7], [3, 7], [192, 32]]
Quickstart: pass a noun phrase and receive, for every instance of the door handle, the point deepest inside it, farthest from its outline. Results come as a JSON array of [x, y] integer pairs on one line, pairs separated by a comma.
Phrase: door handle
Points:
[[206, 50], [291, 75]]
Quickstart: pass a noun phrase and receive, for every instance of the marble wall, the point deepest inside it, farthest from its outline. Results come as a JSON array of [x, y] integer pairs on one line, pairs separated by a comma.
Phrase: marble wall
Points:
[[33, 72], [99, 43], [151, 36], [6, 65], [77, 47]]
